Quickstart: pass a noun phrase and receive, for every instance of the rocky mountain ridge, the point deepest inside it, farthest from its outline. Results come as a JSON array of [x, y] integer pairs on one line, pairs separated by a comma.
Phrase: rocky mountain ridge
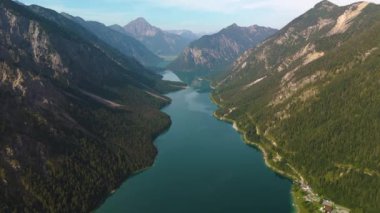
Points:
[[307, 96], [213, 53]]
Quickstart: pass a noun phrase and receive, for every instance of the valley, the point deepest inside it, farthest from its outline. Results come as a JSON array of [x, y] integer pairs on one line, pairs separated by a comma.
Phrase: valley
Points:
[[126, 116], [202, 165]]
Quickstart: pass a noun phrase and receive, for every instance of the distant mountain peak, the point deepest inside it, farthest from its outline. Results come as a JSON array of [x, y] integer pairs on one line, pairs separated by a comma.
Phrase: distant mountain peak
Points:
[[325, 4], [141, 27], [158, 41], [255, 28], [234, 25], [140, 20]]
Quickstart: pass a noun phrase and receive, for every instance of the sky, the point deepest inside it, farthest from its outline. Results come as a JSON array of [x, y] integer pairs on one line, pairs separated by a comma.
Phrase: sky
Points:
[[200, 16]]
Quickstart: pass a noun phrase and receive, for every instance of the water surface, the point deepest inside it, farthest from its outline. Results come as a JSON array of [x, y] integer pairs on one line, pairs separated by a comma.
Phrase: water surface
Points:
[[202, 166]]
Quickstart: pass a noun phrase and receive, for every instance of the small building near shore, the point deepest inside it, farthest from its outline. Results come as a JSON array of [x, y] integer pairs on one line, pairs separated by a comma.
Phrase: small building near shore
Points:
[[328, 206]]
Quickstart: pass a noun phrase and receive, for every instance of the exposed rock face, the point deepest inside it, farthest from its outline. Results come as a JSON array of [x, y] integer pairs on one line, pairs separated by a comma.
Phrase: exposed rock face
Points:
[[344, 21], [141, 28], [311, 88], [158, 41], [216, 52], [76, 117]]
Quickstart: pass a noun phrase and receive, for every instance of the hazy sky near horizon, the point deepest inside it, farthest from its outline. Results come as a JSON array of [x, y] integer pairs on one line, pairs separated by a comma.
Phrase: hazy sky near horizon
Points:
[[195, 15]]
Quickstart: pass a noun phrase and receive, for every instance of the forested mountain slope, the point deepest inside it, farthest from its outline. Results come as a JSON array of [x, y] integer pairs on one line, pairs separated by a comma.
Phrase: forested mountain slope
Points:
[[312, 94], [77, 117]]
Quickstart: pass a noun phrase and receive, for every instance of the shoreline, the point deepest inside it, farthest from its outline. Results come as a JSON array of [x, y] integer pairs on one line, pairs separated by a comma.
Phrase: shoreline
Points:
[[134, 173], [296, 178], [137, 172], [247, 141], [297, 182], [258, 146], [161, 132]]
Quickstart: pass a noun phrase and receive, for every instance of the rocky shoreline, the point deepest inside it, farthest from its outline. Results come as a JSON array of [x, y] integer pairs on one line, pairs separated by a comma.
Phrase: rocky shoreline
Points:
[[297, 179]]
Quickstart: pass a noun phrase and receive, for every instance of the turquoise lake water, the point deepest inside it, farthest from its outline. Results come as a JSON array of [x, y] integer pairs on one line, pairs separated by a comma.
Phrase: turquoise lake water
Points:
[[202, 166]]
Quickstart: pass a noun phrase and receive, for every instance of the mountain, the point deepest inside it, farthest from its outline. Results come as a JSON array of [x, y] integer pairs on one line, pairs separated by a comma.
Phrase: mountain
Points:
[[213, 53], [120, 41], [308, 97], [158, 41], [187, 34], [117, 28], [76, 116]]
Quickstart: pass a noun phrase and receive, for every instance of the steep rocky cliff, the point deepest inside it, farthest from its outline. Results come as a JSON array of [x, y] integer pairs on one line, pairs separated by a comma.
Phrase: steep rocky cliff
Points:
[[76, 116]]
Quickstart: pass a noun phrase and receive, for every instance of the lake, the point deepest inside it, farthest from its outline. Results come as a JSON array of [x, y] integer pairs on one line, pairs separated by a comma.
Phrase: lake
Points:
[[202, 165]]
